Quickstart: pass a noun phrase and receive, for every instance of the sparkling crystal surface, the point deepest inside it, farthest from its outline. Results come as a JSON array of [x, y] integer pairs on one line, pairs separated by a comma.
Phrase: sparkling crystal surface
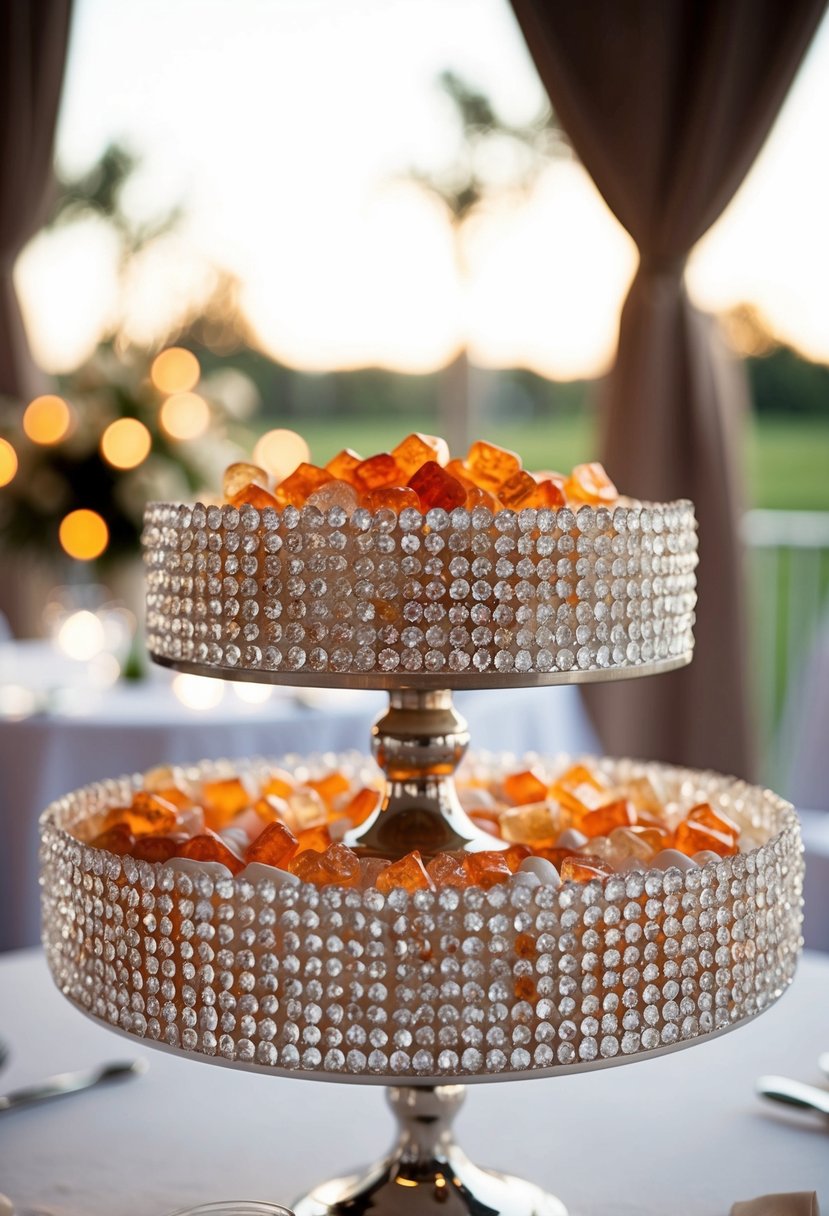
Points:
[[452, 593], [468, 983]]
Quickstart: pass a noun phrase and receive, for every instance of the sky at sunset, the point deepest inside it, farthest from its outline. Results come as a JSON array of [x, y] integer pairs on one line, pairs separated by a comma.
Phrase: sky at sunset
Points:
[[286, 128]]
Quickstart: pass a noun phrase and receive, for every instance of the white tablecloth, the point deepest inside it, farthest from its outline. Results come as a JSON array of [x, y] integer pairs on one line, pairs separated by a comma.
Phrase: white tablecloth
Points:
[[681, 1134], [134, 727]]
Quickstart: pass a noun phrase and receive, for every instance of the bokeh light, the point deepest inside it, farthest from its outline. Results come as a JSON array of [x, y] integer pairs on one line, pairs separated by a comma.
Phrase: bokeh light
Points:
[[185, 416], [175, 370], [83, 535], [47, 419], [81, 636], [198, 692], [253, 694], [126, 443], [280, 452], [8, 462]]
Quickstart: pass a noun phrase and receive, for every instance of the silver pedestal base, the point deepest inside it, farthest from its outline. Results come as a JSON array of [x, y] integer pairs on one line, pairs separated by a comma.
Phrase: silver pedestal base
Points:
[[426, 1172]]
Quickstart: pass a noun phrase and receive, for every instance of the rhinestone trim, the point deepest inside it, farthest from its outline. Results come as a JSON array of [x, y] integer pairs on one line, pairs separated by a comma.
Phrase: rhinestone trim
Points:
[[474, 984], [458, 595]]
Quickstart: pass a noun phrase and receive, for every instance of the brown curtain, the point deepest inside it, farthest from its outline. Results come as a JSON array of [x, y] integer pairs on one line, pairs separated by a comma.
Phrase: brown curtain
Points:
[[667, 102], [33, 41]]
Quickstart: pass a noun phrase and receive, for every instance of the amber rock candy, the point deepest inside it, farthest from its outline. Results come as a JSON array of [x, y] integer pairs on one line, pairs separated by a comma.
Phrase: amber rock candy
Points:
[[343, 466], [525, 787], [619, 814], [117, 839], [240, 475], [363, 804], [391, 498], [437, 488], [273, 847], [222, 799], [448, 870], [416, 449], [314, 839], [157, 848], [489, 466], [279, 782], [705, 814], [487, 868], [254, 495], [691, 837], [533, 824], [330, 787], [584, 868], [210, 847], [146, 813], [409, 873], [590, 483], [518, 490], [378, 471], [304, 480]]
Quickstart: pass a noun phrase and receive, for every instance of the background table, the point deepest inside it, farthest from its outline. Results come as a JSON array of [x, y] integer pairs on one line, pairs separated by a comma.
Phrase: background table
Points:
[[681, 1134], [132, 727]]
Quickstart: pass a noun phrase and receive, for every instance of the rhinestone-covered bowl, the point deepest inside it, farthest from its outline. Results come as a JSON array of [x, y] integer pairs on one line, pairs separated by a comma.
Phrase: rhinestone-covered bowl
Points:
[[454, 599], [344, 984]]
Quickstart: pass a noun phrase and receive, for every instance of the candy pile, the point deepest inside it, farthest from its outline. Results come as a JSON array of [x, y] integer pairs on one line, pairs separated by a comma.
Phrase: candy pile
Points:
[[419, 474], [574, 826]]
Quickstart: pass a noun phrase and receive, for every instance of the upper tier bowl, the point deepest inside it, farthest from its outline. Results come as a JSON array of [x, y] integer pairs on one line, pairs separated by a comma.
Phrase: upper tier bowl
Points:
[[443, 600]]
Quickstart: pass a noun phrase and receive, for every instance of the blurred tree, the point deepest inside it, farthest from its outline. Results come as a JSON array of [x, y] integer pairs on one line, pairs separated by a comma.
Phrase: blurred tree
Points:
[[493, 157]]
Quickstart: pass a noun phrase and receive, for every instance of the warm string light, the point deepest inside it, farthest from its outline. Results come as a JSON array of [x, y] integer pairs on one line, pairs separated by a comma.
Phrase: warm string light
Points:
[[47, 419], [175, 370], [126, 443], [83, 535], [8, 462], [185, 416], [280, 453]]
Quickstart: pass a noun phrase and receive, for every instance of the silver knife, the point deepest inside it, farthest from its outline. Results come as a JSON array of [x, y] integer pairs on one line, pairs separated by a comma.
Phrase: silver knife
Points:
[[794, 1093], [71, 1083]]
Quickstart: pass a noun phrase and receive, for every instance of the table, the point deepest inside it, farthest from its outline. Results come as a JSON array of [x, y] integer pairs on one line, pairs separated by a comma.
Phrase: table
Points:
[[683, 1133], [132, 727]]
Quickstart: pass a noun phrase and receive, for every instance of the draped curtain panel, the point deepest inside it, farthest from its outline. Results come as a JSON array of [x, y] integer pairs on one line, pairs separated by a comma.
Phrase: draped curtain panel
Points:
[[33, 40], [667, 104]]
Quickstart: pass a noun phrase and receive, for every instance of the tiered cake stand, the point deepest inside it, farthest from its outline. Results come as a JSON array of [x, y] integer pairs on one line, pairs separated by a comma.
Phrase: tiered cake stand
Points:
[[426, 992]]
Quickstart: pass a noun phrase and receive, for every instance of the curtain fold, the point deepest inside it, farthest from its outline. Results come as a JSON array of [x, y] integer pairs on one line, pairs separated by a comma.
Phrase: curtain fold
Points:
[[33, 40], [667, 105]]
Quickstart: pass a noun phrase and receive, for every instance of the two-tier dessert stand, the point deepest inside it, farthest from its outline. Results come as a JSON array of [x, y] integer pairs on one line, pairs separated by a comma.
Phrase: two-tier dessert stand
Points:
[[429, 991]]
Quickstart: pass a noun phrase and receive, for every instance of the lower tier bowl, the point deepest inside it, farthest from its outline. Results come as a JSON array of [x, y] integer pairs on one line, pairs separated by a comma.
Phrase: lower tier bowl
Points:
[[431, 987]]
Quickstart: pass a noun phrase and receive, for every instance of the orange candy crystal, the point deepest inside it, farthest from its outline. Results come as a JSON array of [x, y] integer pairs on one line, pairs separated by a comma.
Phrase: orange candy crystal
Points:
[[590, 483], [487, 868], [448, 870], [210, 847], [223, 799], [692, 837], [601, 822], [437, 488], [254, 495], [409, 873], [304, 480], [342, 466], [392, 498], [147, 813], [273, 847], [525, 787], [378, 471], [239, 476], [416, 449], [336, 865], [364, 803], [490, 466], [584, 868]]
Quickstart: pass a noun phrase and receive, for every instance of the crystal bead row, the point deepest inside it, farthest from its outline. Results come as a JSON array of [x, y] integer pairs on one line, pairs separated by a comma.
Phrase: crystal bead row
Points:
[[535, 591], [348, 983]]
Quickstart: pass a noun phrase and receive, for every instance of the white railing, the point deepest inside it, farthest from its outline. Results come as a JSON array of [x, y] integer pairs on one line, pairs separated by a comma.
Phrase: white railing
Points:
[[789, 570]]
